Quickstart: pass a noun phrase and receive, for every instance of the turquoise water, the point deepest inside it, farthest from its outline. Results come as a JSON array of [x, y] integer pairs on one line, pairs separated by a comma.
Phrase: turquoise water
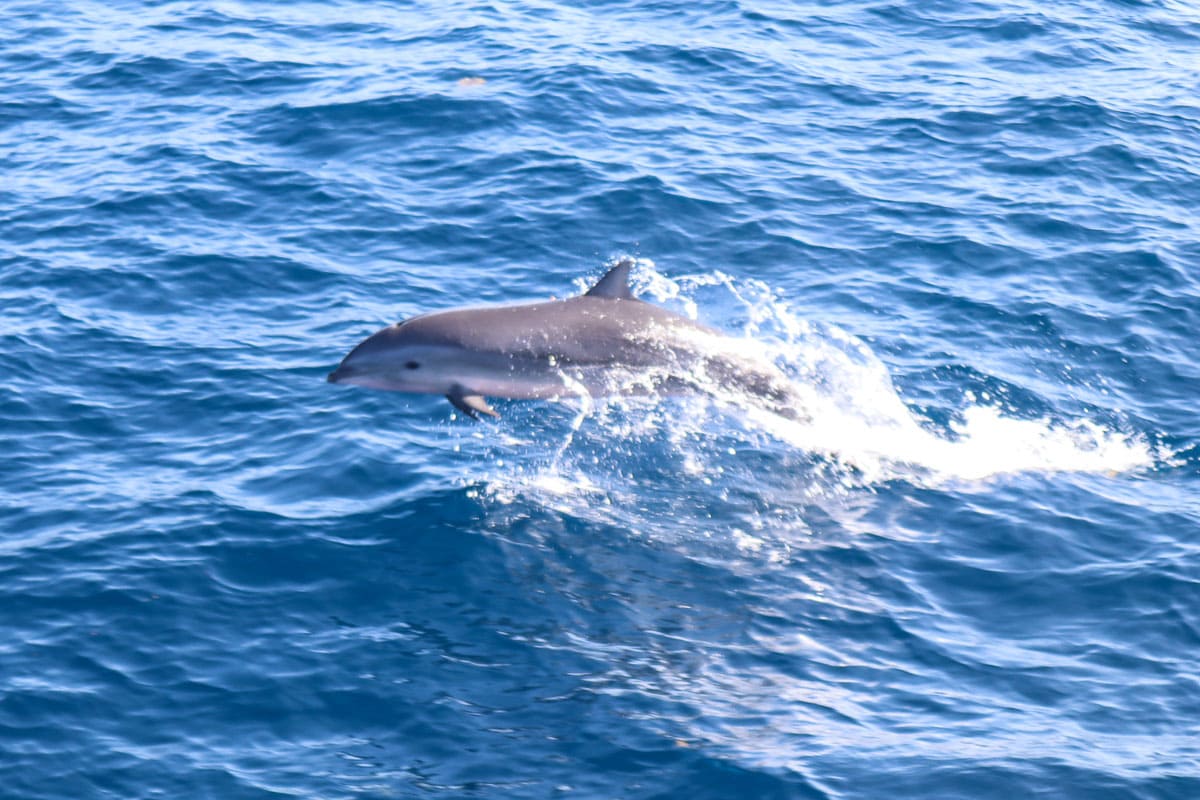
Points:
[[967, 231]]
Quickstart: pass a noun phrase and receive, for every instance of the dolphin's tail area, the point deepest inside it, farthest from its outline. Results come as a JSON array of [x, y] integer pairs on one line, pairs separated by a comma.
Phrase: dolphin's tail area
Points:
[[756, 382]]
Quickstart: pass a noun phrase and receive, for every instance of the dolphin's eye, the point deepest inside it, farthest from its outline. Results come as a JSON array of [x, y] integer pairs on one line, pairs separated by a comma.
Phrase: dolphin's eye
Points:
[[411, 365]]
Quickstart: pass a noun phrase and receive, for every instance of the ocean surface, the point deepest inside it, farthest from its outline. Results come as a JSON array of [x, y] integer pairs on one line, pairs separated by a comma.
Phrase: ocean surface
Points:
[[968, 231]]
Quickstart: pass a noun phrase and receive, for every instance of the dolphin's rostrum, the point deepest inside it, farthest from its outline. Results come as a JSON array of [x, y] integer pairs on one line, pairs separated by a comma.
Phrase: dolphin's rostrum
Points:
[[603, 342]]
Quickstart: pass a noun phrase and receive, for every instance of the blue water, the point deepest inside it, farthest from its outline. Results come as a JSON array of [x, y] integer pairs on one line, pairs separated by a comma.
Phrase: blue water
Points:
[[968, 231]]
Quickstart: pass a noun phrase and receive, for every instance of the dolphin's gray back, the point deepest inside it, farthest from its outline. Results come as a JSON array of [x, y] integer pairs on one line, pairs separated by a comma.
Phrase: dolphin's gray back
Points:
[[582, 330]]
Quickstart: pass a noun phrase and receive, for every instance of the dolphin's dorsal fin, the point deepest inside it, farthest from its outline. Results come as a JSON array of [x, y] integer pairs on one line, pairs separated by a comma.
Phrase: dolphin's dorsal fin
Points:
[[615, 282]]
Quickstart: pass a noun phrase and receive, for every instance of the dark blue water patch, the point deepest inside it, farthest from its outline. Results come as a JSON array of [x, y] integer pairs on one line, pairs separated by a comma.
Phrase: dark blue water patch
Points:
[[249, 26], [329, 130], [176, 78], [564, 90], [150, 206], [972, 21], [703, 59], [213, 277], [1103, 166], [1178, 31], [996, 779], [1034, 116], [35, 105], [649, 195]]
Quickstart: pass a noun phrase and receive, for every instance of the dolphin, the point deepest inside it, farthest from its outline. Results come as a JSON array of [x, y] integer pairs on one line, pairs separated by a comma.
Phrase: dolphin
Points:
[[603, 342]]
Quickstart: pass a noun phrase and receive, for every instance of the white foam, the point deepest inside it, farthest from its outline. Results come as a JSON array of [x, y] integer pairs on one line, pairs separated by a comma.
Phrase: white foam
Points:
[[858, 418], [859, 432]]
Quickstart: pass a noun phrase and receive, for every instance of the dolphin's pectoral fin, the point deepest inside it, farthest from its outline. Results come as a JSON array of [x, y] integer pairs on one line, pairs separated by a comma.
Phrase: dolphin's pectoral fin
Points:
[[615, 282], [471, 404]]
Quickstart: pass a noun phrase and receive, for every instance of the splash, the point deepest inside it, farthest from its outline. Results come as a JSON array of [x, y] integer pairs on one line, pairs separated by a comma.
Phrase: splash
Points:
[[859, 419], [856, 430]]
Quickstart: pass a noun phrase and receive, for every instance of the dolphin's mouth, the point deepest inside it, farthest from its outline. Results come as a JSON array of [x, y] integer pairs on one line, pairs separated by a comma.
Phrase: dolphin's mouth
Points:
[[343, 374], [351, 376]]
